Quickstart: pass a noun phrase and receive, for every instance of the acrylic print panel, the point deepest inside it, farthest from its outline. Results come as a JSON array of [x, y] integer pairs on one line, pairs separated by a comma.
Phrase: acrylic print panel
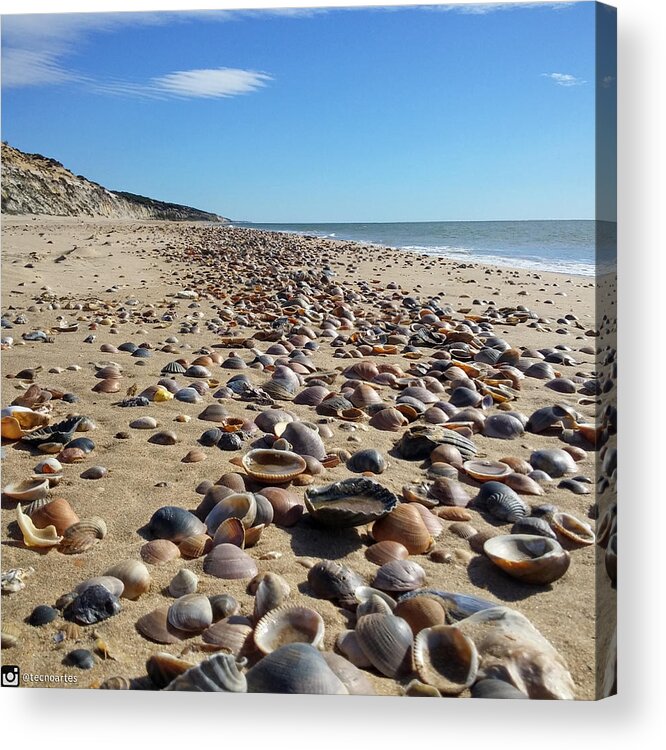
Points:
[[309, 351]]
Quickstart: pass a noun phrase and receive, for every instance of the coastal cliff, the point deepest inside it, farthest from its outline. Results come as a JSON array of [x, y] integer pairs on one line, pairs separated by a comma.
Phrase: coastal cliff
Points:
[[35, 184]]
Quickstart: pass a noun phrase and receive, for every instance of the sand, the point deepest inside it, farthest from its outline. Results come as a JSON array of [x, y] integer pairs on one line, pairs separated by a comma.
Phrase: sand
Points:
[[112, 261]]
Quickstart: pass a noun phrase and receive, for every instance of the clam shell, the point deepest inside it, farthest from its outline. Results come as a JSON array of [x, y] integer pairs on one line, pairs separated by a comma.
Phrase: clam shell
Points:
[[304, 440], [453, 513], [184, 582], [531, 559], [421, 612], [164, 437], [159, 551], [501, 502], [351, 502], [418, 442], [571, 528], [287, 507], [82, 536], [143, 423], [367, 460], [386, 551], [58, 513], [191, 613], [94, 472], [273, 466], [219, 674], [386, 640], [48, 466], [485, 471], [224, 605], [404, 525], [214, 413], [230, 531], [329, 579], [399, 575], [163, 668], [195, 546], [534, 526], [450, 492], [348, 645], [285, 625], [523, 484], [233, 634], [271, 592], [445, 658], [110, 583], [134, 575], [388, 420], [496, 689], [27, 490], [294, 668], [240, 505], [356, 682], [193, 456], [110, 385], [554, 461], [175, 524], [230, 562]]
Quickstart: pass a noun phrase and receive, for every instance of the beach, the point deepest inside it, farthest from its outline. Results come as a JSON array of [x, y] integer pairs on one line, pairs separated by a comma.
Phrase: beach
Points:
[[55, 268]]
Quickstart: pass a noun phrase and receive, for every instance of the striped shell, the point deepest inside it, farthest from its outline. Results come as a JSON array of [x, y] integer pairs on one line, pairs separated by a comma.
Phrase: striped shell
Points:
[[284, 625], [232, 633], [445, 658], [83, 535], [501, 502], [219, 674], [386, 641]]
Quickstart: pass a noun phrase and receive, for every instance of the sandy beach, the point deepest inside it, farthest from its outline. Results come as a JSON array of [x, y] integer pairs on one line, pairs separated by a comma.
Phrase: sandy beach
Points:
[[54, 268]]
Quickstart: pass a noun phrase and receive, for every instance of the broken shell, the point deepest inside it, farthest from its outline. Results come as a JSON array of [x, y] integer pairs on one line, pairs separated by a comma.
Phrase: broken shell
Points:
[[34, 537], [531, 559], [329, 579], [446, 659], [110, 583], [284, 625]]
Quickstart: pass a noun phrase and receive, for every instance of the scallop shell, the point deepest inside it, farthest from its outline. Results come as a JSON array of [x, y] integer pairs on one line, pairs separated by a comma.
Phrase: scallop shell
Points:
[[386, 640], [531, 559], [219, 674], [233, 634], [404, 525], [159, 551], [58, 512], [294, 668], [351, 502], [501, 502], [285, 625], [230, 562], [34, 537], [82, 536], [174, 523], [191, 613], [446, 659], [418, 442], [569, 527], [399, 575], [134, 575], [27, 490], [273, 466]]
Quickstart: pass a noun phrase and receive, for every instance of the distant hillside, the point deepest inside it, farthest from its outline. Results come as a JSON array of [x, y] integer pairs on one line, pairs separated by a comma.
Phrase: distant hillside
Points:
[[35, 184]]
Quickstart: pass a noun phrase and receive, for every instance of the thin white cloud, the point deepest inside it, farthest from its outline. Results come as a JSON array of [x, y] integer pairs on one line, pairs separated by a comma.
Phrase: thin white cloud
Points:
[[564, 79], [483, 9], [210, 84]]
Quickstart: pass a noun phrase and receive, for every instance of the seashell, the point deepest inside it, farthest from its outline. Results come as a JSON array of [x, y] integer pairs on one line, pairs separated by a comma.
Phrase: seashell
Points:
[[211, 437], [305, 440], [233, 634], [13, 580], [365, 395], [386, 641], [496, 689], [116, 683], [191, 613], [240, 505], [224, 605], [195, 546], [332, 580], [110, 385], [510, 648], [351, 502], [534, 526], [218, 674], [367, 460], [91, 606], [42, 614], [164, 437], [523, 484], [163, 668], [404, 525], [351, 677], [229, 562], [231, 441], [530, 559], [453, 513], [541, 371], [184, 582], [110, 583], [110, 371], [445, 658], [214, 413], [294, 668], [61, 433], [554, 461], [143, 423], [173, 368], [417, 443], [71, 455], [503, 427], [134, 575], [501, 502], [187, 396], [578, 488], [285, 625], [462, 529], [193, 456], [82, 536], [371, 601], [399, 575], [388, 420], [447, 454], [58, 512], [273, 466], [312, 395], [431, 521], [463, 396], [156, 627], [569, 527], [20, 423], [159, 551], [34, 537], [80, 658], [266, 420], [27, 490], [49, 466], [386, 551], [287, 507], [271, 592], [174, 523], [94, 472], [561, 385], [230, 531], [484, 471], [450, 492], [518, 465], [421, 612]]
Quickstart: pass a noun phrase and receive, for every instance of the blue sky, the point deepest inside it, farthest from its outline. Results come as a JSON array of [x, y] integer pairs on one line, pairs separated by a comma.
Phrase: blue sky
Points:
[[410, 114]]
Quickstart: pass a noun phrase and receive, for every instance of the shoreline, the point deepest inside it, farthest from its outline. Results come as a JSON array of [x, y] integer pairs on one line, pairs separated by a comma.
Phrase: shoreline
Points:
[[113, 261]]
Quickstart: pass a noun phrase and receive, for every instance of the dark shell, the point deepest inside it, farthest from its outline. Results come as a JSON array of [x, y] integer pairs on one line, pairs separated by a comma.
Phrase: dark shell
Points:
[[174, 524], [351, 502], [80, 658], [496, 690], [42, 614], [211, 437], [231, 441], [534, 526], [93, 605], [332, 580], [83, 443], [554, 461], [369, 459], [418, 442], [304, 440], [219, 674], [503, 427], [61, 432], [501, 502], [450, 492], [465, 397]]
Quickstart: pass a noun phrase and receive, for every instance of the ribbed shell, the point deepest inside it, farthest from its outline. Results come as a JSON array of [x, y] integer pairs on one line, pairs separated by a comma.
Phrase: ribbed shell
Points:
[[386, 640], [219, 674], [501, 501]]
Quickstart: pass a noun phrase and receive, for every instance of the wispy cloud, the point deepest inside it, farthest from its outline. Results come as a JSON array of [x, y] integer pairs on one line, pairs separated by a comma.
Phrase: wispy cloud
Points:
[[482, 9], [564, 79]]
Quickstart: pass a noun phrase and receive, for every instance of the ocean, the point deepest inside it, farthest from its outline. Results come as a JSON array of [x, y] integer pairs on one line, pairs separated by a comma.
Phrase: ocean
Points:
[[580, 247]]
